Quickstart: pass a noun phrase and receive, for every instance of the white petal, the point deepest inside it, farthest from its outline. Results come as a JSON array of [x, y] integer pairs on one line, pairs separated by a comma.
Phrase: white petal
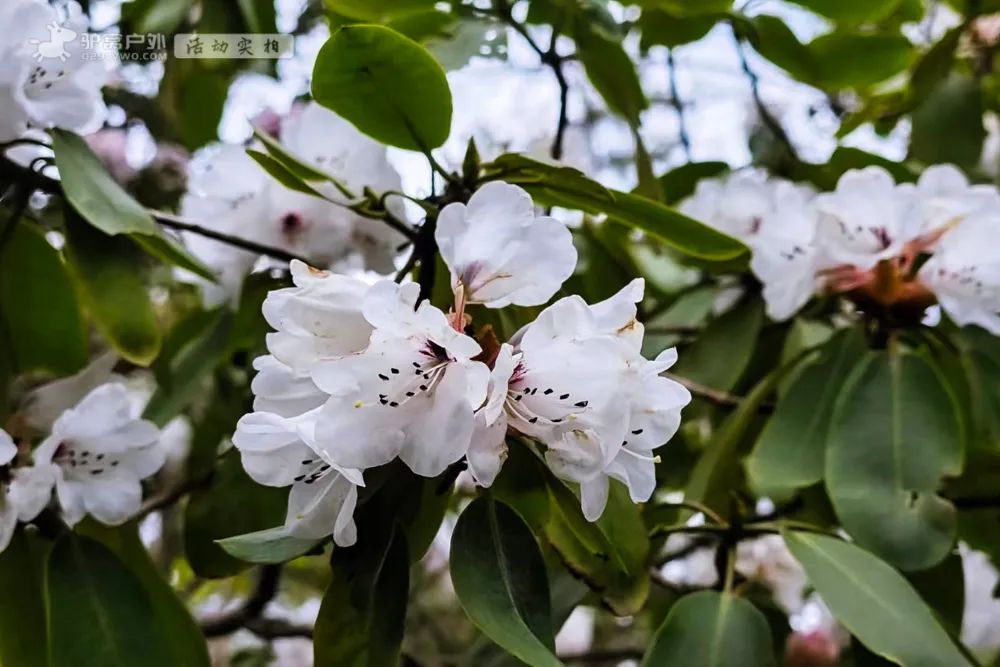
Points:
[[31, 489], [440, 435], [356, 436], [488, 449], [594, 497], [111, 501], [8, 523], [8, 450], [325, 507]]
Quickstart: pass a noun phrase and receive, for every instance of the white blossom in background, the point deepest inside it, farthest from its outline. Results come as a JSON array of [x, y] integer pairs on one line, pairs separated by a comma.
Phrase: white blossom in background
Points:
[[866, 219], [45, 80], [412, 393], [99, 451], [499, 252], [945, 198], [964, 273], [778, 220], [228, 191], [24, 490]]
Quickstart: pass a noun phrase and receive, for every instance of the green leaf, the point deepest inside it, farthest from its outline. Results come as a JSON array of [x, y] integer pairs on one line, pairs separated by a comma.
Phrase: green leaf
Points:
[[846, 12], [361, 619], [948, 124], [201, 106], [378, 10], [274, 545], [680, 182], [185, 372], [98, 612], [722, 352], [610, 555], [386, 84], [232, 505], [942, 587], [282, 174], [852, 60], [22, 617], [186, 642], [719, 468], [790, 450], [499, 578], [775, 41], [105, 205], [612, 72], [712, 629], [874, 602], [39, 307], [670, 30], [155, 16], [109, 275], [895, 433]]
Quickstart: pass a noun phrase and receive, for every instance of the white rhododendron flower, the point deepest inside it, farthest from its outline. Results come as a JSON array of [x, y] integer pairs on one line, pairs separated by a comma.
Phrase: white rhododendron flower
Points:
[[274, 452], [778, 220], [99, 451], [228, 191], [866, 219], [45, 79], [412, 393], [576, 381], [964, 273], [945, 198], [24, 491], [499, 252]]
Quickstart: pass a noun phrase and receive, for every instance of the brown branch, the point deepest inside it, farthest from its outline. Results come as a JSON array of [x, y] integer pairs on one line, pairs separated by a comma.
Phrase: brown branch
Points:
[[678, 105], [171, 496], [600, 656], [251, 609], [276, 628], [715, 396]]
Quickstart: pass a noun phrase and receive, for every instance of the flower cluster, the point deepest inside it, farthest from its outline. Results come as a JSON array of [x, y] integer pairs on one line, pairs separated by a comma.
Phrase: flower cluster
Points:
[[229, 192], [45, 80], [95, 456], [880, 241], [359, 375]]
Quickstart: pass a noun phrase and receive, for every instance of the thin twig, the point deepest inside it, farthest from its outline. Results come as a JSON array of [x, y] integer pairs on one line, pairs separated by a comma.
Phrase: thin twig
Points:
[[716, 396], [766, 116], [35, 180], [276, 628], [696, 544], [171, 496], [678, 105], [251, 609]]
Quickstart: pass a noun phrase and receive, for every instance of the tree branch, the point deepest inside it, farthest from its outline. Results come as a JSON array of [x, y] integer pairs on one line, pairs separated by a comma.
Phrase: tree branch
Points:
[[276, 628], [714, 396], [35, 180], [600, 656], [678, 105], [251, 609]]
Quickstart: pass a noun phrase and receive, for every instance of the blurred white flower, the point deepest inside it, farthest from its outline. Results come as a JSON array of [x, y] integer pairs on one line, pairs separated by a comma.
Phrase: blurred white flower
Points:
[[45, 79], [24, 491], [945, 198], [964, 273], [499, 252], [99, 451], [228, 191], [866, 219], [411, 393]]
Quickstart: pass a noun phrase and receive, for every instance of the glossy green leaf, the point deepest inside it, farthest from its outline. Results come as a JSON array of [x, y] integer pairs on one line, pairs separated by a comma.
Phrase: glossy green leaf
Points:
[[39, 307], [948, 124], [105, 204], [386, 84], [665, 29], [721, 354], [233, 504], [942, 587], [874, 602], [377, 10], [109, 275], [22, 618], [712, 629], [98, 612], [851, 11], [790, 451], [186, 643], [609, 555], [499, 577], [680, 182], [852, 60], [273, 545], [612, 73], [775, 41], [180, 378], [895, 433], [361, 618], [282, 174]]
